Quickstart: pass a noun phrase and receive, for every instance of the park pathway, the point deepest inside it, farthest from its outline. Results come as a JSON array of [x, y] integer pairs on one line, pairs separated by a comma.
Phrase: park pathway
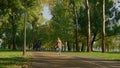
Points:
[[53, 60]]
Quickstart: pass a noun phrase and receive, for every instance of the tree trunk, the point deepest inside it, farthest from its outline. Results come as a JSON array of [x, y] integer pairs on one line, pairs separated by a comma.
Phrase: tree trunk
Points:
[[83, 47], [13, 32], [93, 40], [103, 28], [88, 28], [33, 37], [25, 20], [107, 47], [24, 48], [76, 22], [68, 45], [9, 47]]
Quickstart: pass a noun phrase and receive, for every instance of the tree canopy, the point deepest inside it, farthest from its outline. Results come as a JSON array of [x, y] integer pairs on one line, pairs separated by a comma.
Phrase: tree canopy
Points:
[[69, 22]]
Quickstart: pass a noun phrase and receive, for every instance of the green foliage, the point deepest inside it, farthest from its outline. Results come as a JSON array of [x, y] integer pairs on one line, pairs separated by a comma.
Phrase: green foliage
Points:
[[62, 23], [12, 12]]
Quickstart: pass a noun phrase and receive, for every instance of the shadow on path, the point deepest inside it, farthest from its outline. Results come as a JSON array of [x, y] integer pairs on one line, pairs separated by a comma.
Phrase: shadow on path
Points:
[[53, 60]]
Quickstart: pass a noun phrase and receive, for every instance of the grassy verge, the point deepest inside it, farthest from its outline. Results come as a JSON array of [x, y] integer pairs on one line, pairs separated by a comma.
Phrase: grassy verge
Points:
[[108, 56], [14, 59]]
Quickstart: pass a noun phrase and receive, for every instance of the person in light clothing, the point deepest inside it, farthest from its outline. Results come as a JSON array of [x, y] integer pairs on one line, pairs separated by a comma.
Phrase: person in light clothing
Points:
[[59, 45]]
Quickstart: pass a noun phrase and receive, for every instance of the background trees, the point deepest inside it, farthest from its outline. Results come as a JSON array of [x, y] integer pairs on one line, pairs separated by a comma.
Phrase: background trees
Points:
[[69, 22], [15, 16]]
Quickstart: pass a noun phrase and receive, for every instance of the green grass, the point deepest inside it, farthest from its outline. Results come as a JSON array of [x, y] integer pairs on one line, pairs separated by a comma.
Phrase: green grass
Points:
[[14, 59], [108, 56]]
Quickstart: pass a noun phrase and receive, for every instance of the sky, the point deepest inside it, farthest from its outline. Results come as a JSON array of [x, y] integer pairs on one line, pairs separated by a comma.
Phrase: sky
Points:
[[116, 1], [46, 12]]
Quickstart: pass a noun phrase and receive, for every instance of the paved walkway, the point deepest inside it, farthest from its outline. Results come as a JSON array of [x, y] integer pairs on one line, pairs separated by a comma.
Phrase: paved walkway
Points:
[[53, 60]]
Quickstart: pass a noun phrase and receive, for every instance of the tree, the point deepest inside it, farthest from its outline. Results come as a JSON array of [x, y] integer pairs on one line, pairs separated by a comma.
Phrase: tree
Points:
[[75, 5], [25, 20], [82, 22], [76, 23], [27, 6], [62, 23], [96, 19], [88, 27], [103, 28], [14, 15]]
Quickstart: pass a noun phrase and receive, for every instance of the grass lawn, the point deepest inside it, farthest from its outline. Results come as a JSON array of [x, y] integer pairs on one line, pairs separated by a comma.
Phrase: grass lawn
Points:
[[108, 56], [14, 59]]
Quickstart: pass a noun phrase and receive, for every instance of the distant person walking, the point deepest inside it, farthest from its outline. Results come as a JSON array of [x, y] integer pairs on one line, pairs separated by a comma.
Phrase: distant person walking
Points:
[[39, 43], [35, 46], [59, 45]]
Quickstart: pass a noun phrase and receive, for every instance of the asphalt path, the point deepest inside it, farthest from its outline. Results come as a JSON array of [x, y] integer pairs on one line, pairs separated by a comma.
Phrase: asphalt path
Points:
[[65, 60]]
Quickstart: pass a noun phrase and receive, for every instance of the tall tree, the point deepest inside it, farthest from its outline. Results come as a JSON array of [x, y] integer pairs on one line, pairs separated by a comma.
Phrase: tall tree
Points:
[[62, 23], [75, 5], [96, 18], [15, 7], [88, 27], [35, 16], [103, 28], [25, 20], [30, 15], [76, 23]]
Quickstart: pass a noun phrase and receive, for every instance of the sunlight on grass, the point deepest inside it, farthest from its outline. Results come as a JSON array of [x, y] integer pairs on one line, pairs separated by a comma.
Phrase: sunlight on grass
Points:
[[108, 56], [14, 59]]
